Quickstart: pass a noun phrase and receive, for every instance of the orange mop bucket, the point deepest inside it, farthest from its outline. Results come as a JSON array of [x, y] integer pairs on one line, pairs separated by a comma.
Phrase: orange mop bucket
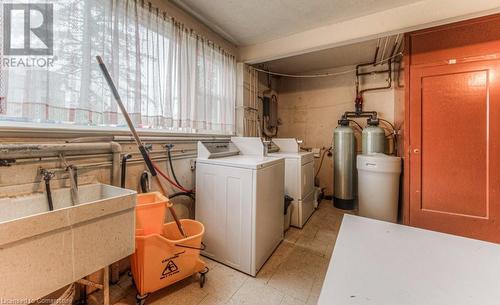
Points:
[[163, 256]]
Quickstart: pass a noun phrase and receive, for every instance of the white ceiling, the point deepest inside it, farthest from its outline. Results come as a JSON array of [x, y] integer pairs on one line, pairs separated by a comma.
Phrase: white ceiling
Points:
[[248, 22], [348, 55]]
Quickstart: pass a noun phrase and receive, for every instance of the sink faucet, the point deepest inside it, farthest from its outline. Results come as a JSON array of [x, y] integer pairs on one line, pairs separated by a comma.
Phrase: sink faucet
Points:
[[47, 176], [73, 179], [266, 143]]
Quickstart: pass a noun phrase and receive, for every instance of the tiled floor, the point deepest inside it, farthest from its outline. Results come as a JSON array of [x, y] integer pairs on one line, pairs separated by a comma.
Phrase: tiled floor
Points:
[[292, 276]]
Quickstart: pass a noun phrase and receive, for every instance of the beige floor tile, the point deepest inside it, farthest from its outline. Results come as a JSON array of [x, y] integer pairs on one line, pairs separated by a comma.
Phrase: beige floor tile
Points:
[[326, 223], [329, 251], [314, 245], [269, 268], [256, 293], [288, 300], [327, 237], [211, 300], [186, 292], [211, 264], [295, 277], [304, 261], [292, 235], [308, 232], [223, 282], [129, 299], [315, 290], [279, 256], [292, 283], [284, 249], [116, 293], [312, 302], [321, 269]]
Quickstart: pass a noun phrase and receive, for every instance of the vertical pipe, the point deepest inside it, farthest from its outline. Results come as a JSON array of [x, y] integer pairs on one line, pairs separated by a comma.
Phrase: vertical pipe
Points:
[[115, 180], [250, 101], [49, 194], [257, 123], [115, 169], [385, 47], [254, 102], [123, 170], [46, 177], [73, 182], [376, 53]]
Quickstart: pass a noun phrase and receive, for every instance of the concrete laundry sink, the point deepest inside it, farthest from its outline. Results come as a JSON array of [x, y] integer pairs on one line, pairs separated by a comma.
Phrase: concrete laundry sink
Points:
[[42, 251]]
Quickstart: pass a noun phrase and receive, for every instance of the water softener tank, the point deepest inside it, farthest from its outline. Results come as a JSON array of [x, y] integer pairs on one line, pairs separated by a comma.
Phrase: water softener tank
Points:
[[373, 140], [344, 147]]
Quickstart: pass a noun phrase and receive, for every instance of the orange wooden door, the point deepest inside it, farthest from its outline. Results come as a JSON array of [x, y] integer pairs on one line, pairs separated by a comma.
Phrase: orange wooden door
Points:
[[455, 149]]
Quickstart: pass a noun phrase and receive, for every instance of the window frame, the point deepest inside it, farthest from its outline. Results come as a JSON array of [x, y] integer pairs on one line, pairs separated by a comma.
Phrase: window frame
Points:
[[47, 130]]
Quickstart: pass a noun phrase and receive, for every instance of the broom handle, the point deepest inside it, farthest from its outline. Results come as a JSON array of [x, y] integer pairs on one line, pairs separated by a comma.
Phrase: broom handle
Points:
[[142, 149]]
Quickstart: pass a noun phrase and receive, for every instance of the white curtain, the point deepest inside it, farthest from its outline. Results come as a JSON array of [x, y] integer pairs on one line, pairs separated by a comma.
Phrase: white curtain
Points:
[[168, 77]]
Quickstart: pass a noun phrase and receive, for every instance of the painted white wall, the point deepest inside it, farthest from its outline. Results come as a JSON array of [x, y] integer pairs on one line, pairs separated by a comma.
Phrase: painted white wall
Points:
[[419, 15], [310, 108]]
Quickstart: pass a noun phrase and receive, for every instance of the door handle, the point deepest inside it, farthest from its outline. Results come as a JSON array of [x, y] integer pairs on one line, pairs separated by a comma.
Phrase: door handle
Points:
[[416, 151]]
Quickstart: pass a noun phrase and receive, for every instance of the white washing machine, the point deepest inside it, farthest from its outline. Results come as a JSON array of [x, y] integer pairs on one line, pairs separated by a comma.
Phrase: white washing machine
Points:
[[299, 179], [239, 199]]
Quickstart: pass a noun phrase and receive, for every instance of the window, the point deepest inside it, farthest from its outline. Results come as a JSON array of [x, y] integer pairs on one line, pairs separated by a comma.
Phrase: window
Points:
[[168, 77]]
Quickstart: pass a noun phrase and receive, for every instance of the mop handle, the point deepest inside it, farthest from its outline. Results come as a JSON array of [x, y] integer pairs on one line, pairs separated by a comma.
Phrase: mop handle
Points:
[[142, 149], [118, 99]]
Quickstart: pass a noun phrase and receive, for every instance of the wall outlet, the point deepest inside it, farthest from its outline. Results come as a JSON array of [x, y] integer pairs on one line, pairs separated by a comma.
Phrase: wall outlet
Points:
[[316, 152]]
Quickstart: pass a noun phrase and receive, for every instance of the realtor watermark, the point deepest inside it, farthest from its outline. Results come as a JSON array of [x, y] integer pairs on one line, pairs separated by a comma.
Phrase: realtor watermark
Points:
[[26, 301], [28, 35], [27, 62]]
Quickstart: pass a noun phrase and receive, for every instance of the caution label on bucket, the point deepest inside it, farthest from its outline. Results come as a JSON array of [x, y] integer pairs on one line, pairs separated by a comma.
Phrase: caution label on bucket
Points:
[[171, 267]]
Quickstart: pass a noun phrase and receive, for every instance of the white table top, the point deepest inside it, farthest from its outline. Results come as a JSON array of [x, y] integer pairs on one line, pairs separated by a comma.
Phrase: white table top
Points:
[[380, 263]]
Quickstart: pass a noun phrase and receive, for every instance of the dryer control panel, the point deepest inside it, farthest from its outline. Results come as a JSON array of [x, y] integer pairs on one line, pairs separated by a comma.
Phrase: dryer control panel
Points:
[[212, 150]]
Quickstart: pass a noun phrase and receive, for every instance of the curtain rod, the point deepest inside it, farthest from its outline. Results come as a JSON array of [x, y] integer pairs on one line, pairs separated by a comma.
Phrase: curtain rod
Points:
[[181, 25]]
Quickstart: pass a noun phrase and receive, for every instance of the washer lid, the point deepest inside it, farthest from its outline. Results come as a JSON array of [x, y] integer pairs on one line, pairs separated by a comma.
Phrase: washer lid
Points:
[[243, 161], [378, 162]]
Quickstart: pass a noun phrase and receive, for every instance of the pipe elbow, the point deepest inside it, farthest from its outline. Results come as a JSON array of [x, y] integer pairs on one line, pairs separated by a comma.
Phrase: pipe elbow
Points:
[[115, 147]]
